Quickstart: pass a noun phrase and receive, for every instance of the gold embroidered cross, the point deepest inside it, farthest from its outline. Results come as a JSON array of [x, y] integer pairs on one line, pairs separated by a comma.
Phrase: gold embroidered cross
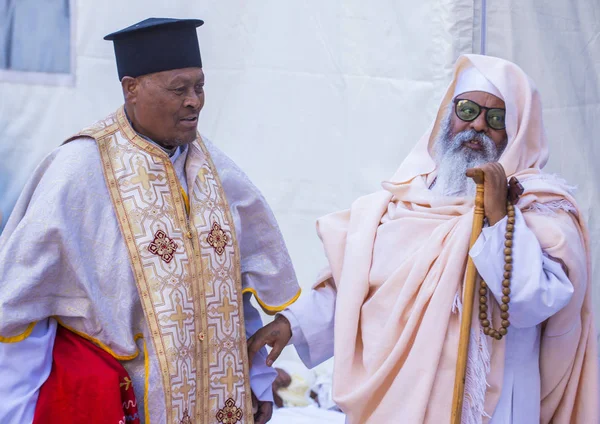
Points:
[[184, 389], [226, 309], [144, 177], [179, 316], [230, 379]]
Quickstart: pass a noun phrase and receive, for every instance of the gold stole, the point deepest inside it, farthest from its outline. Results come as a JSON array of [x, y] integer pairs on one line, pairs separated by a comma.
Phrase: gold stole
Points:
[[187, 272]]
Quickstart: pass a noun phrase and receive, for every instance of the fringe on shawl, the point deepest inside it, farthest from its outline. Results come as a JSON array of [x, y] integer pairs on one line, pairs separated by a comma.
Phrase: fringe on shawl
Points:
[[550, 208], [553, 179], [478, 367]]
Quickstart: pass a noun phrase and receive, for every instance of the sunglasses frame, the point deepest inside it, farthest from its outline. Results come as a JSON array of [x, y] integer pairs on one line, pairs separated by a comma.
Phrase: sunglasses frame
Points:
[[481, 108]]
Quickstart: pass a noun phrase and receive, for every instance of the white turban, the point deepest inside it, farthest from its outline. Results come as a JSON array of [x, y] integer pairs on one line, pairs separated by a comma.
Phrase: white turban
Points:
[[472, 80]]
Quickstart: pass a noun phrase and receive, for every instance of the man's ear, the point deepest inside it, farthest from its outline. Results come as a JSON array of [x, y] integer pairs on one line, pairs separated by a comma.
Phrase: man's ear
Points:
[[130, 89]]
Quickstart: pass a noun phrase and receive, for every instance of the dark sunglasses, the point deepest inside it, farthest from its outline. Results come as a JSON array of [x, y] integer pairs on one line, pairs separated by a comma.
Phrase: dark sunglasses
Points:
[[468, 111]]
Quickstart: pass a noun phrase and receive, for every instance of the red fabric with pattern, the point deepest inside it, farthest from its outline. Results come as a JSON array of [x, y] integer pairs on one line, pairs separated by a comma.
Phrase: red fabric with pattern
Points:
[[86, 385]]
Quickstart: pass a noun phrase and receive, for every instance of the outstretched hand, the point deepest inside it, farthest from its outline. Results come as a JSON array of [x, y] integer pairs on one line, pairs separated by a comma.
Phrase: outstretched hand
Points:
[[276, 334]]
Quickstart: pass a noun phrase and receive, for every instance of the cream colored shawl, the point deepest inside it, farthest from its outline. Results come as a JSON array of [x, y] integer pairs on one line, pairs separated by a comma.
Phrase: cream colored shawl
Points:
[[396, 340]]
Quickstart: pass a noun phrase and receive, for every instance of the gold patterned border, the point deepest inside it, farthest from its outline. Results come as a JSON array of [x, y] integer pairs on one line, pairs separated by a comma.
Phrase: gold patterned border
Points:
[[238, 283], [136, 263], [201, 321], [193, 252]]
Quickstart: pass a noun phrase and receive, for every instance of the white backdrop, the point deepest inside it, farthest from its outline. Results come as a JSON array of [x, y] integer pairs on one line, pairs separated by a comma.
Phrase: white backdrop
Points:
[[558, 44], [320, 100]]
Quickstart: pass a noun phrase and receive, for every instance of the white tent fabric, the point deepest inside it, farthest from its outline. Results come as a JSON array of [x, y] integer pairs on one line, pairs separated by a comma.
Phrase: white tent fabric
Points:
[[318, 101], [558, 44]]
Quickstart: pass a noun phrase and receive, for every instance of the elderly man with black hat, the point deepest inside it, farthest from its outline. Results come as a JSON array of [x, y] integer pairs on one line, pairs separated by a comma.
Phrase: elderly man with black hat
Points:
[[127, 266]]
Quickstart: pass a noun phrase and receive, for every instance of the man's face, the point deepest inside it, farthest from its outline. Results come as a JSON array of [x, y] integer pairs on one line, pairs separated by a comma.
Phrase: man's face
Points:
[[461, 145], [165, 106], [480, 124]]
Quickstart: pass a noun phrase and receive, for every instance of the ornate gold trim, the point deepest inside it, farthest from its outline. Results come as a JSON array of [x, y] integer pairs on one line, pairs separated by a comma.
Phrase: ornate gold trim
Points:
[[134, 256], [248, 416], [272, 310]]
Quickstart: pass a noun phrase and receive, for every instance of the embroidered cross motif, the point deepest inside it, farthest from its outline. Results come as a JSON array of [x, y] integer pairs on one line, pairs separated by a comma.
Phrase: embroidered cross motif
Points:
[[163, 246], [230, 414], [179, 316], [230, 379], [217, 238], [144, 178], [226, 309]]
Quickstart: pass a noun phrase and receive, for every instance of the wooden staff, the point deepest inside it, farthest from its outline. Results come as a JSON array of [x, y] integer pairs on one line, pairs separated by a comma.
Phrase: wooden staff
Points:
[[467, 309]]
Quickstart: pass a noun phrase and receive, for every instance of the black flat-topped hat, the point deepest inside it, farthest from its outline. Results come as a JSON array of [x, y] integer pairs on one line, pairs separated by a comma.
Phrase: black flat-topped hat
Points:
[[155, 45]]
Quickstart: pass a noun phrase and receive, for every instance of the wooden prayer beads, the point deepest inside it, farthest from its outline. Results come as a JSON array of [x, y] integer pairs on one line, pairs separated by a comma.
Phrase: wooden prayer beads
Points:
[[486, 323]]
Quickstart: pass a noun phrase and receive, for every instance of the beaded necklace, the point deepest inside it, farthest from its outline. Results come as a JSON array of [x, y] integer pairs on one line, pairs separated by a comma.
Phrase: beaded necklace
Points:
[[488, 330]]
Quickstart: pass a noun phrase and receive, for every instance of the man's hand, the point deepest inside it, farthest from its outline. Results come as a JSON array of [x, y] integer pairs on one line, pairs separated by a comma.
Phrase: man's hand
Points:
[[495, 191], [264, 410], [515, 189], [276, 334]]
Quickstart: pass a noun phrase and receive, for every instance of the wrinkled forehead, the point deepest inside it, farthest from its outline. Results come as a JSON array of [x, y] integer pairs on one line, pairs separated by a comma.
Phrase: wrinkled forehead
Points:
[[175, 76]]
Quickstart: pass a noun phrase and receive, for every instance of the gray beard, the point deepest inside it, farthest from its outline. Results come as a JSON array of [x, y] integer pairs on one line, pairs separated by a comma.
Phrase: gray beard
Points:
[[453, 159]]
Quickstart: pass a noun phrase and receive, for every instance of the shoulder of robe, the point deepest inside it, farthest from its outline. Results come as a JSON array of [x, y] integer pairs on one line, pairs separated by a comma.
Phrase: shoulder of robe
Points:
[[83, 148], [229, 172], [80, 154], [73, 167], [67, 181]]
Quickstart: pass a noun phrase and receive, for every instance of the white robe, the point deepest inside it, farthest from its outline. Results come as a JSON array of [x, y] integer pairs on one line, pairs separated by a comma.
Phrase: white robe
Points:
[[540, 288], [19, 385]]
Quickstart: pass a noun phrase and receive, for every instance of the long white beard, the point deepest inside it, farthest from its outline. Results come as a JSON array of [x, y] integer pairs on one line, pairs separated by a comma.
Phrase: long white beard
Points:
[[453, 159]]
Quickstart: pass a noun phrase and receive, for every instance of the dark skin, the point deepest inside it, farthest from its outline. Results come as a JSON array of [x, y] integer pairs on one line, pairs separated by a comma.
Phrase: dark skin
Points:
[[278, 333], [164, 107], [264, 410], [495, 188]]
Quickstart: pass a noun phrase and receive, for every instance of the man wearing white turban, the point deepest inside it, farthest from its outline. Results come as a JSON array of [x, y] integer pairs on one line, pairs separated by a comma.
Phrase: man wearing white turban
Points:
[[389, 303]]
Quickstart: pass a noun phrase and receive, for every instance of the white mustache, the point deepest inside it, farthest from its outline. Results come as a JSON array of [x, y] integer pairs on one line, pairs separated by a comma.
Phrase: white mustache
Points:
[[488, 147]]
